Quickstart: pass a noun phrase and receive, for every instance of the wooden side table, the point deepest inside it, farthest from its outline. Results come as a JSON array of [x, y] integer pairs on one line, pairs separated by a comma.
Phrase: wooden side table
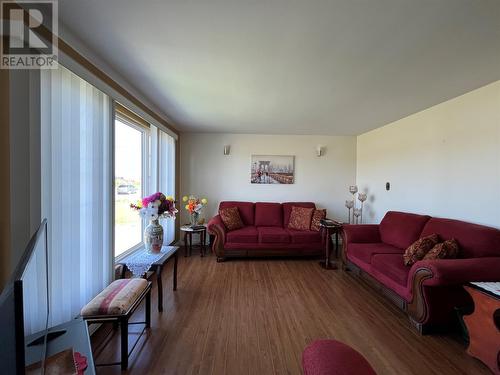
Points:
[[484, 327], [188, 238], [327, 232]]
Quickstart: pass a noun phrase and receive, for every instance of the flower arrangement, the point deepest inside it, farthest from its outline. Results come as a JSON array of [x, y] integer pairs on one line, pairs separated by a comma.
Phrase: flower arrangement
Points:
[[194, 206], [156, 206]]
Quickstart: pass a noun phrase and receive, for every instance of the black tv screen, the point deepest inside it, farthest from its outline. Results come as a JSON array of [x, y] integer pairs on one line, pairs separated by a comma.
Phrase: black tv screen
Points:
[[10, 361]]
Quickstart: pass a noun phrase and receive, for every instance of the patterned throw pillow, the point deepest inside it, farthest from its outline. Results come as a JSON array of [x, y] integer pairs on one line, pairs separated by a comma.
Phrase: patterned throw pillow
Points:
[[417, 250], [300, 218], [231, 218], [444, 250], [317, 216]]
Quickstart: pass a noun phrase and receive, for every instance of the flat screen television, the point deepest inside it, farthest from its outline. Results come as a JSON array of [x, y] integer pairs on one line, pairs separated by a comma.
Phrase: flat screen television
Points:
[[25, 308]]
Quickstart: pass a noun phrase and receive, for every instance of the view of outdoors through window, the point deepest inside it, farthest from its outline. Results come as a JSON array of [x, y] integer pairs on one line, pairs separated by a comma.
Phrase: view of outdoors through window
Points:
[[128, 186]]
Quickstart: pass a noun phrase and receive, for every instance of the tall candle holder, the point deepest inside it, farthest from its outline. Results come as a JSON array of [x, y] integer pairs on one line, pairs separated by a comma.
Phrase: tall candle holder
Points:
[[356, 213], [349, 205], [362, 198], [353, 189]]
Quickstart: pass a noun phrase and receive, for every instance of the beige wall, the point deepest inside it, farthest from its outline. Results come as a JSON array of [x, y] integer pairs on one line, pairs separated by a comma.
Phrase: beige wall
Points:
[[206, 171], [443, 161]]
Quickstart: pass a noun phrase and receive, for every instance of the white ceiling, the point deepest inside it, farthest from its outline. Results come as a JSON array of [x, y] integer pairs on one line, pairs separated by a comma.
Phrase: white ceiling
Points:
[[338, 67]]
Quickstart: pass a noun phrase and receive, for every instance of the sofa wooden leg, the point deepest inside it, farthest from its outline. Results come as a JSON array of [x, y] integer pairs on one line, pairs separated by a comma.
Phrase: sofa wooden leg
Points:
[[416, 325]]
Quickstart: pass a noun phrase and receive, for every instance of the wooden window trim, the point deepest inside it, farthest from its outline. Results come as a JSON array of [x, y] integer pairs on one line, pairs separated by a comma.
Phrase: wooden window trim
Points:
[[122, 111], [46, 34]]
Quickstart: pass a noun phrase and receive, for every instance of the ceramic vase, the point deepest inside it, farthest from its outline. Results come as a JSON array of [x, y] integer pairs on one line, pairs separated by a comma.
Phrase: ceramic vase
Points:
[[153, 236]]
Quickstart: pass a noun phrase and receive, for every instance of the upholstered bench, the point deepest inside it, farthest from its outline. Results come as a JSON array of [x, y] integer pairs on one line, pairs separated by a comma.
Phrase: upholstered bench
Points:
[[331, 357], [116, 304]]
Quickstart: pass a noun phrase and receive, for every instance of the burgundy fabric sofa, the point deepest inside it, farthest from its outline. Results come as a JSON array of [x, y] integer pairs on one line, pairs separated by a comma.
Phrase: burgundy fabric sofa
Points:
[[265, 233], [430, 289]]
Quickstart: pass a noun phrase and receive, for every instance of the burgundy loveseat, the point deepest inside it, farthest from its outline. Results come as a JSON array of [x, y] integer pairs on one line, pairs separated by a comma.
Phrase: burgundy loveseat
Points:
[[430, 289], [265, 233]]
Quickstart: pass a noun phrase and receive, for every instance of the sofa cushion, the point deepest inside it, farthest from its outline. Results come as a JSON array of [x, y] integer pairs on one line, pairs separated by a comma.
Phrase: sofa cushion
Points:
[[365, 251], [392, 266], [417, 250], [318, 215], [230, 216], [247, 234], [304, 236], [268, 214], [474, 240], [273, 235], [300, 218], [287, 209], [401, 229], [246, 210], [445, 250]]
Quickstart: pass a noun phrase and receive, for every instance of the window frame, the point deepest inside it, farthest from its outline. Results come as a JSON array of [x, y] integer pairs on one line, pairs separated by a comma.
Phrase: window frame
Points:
[[145, 152]]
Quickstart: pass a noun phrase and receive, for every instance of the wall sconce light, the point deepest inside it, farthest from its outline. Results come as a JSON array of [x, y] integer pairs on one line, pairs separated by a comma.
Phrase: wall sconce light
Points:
[[227, 149], [320, 151]]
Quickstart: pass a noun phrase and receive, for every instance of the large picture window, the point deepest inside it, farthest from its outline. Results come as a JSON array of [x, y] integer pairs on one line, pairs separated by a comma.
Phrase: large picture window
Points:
[[130, 157], [144, 164]]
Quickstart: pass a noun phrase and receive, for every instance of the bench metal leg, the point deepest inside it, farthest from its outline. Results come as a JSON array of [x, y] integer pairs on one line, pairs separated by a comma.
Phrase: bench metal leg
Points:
[[124, 343], [148, 310], [175, 271], [123, 322], [159, 284]]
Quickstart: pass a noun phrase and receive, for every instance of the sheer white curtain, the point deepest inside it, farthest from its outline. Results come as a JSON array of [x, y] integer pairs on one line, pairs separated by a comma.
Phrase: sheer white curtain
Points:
[[34, 287], [162, 176], [76, 189]]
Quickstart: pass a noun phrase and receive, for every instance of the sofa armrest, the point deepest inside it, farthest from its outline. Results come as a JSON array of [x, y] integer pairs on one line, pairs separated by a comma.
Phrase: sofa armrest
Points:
[[446, 272], [361, 233], [217, 228]]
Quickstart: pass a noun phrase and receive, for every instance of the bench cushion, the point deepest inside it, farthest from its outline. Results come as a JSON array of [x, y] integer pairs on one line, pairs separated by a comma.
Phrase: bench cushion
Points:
[[116, 298]]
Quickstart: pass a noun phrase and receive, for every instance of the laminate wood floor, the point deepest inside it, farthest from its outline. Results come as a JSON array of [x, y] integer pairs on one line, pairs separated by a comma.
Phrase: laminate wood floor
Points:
[[256, 317]]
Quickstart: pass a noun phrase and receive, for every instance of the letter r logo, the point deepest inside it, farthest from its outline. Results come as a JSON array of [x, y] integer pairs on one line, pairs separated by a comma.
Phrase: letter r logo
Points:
[[23, 23]]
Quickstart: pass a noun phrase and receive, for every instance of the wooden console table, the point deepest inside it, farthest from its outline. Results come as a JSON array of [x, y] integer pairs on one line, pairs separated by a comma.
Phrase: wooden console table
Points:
[[168, 252], [484, 327]]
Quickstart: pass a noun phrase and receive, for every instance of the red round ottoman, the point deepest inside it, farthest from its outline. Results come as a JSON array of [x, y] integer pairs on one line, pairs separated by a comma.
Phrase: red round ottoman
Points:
[[330, 357]]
